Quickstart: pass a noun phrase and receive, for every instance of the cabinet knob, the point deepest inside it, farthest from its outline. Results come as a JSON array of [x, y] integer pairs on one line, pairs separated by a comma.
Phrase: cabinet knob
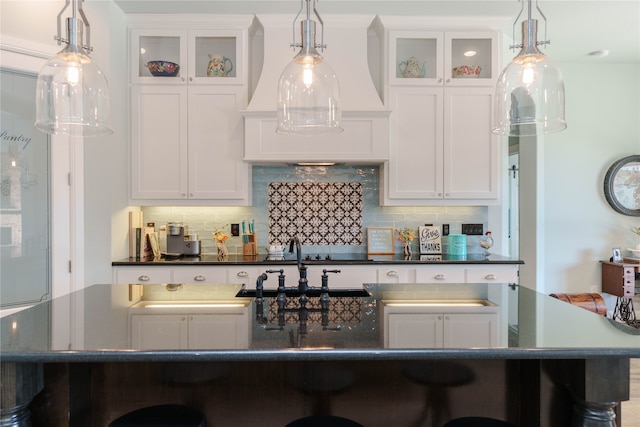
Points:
[[439, 317], [490, 277], [182, 78], [190, 79], [190, 194], [440, 80], [440, 276], [242, 274], [199, 278], [143, 278], [392, 273], [448, 80]]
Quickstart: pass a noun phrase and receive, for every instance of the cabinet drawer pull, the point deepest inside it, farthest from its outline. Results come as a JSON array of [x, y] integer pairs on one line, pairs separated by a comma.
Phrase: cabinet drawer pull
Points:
[[143, 278], [490, 276], [242, 274], [392, 273], [199, 278], [440, 276]]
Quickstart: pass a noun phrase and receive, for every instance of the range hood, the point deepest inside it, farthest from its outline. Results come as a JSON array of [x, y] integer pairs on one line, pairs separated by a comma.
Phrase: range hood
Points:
[[351, 46]]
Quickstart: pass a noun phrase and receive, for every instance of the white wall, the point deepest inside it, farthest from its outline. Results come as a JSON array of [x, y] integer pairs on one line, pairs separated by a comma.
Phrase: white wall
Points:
[[580, 228]]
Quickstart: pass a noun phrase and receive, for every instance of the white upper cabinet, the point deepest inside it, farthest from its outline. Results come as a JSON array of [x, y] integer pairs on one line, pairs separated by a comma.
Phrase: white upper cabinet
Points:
[[186, 128], [440, 87], [192, 50], [430, 58]]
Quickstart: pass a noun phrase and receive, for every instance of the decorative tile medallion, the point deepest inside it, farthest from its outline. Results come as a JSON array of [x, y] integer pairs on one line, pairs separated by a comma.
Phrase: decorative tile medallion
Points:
[[319, 213]]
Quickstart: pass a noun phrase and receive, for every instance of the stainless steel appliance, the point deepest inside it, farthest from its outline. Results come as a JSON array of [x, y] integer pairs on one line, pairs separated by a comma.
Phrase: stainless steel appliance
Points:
[[179, 242]]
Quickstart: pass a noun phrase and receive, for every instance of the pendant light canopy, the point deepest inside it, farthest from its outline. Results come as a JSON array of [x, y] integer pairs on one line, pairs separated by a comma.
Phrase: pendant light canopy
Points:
[[72, 94], [530, 91], [308, 90]]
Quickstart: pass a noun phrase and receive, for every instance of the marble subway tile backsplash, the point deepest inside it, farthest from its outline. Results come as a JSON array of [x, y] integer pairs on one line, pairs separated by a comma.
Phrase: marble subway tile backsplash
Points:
[[204, 220]]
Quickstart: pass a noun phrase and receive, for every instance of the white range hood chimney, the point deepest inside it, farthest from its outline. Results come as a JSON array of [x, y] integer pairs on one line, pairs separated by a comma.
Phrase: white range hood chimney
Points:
[[365, 119]]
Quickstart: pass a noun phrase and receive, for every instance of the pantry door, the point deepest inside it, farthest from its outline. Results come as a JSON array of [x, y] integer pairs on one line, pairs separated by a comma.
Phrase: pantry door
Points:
[[41, 201]]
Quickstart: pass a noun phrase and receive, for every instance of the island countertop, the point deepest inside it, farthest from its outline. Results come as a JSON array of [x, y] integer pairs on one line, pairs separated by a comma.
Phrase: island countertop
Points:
[[93, 324]]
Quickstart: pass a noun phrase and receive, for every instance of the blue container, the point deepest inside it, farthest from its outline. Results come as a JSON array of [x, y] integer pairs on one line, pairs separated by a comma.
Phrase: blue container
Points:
[[457, 245]]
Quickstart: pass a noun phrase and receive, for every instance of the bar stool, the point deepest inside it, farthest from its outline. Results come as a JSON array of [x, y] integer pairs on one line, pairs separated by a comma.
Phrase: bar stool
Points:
[[321, 382], [477, 422], [161, 416], [324, 421], [438, 377]]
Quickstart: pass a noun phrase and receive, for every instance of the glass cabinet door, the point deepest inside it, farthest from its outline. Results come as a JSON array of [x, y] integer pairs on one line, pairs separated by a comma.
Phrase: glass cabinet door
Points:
[[215, 56], [471, 59], [415, 57], [166, 48]]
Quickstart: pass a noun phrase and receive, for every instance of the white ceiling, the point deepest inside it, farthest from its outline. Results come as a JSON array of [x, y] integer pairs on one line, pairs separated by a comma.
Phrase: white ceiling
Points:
[[575, 27]]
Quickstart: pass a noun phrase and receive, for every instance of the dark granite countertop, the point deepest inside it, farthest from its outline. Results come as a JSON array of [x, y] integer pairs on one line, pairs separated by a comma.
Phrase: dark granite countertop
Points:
[[320, 259], [93, 325]]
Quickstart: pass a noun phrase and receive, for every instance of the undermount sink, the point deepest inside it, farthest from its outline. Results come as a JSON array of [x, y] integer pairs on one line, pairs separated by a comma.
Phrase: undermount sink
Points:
[[315, 292]]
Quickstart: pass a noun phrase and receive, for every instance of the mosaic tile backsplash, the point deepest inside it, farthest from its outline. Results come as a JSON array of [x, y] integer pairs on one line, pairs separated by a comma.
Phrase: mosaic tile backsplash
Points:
[[204, 220], [319, 213]]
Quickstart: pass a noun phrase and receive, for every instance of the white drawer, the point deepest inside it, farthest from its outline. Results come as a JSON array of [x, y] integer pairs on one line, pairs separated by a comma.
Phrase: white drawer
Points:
[[200, 275], [350, 277], [440, 274], [495, 274], [153, 275], [395, 274]]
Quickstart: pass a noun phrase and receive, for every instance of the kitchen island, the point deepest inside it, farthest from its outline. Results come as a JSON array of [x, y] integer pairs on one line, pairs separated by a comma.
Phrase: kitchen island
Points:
[[77, 355]]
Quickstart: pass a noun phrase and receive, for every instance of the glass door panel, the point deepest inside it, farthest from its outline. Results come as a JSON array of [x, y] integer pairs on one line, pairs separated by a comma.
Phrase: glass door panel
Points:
[[25, 191]]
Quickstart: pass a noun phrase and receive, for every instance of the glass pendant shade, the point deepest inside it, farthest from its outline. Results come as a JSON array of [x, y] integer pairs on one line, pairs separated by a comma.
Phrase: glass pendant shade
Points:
[[308, 92], [72, 94], [530, 92]]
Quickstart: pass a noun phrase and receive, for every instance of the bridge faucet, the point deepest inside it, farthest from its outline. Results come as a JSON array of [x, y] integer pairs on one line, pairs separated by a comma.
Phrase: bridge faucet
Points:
[[296, 241]]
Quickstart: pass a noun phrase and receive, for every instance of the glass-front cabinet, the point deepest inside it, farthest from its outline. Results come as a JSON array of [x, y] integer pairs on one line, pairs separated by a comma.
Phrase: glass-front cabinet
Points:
[[432, 58], [186, 56]]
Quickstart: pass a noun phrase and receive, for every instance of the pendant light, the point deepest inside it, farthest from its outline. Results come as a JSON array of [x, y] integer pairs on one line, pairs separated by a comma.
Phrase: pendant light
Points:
[[530, 90], [308, 90], [72, 94]]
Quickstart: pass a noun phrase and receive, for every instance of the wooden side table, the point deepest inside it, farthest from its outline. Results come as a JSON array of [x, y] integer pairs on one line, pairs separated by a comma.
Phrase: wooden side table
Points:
[[619, 279]]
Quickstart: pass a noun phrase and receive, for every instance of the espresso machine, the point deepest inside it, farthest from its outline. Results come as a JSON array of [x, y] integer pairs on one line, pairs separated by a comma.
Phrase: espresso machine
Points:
[[179, 241]]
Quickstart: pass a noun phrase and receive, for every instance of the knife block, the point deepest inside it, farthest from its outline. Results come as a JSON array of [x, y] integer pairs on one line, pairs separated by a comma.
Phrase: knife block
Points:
[[250, 248]]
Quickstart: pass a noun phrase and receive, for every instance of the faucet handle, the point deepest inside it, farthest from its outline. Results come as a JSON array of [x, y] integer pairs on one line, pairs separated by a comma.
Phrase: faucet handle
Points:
[[325, 271]]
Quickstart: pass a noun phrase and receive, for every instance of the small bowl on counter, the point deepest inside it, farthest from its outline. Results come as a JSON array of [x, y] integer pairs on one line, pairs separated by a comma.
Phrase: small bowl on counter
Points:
[[163, 68]]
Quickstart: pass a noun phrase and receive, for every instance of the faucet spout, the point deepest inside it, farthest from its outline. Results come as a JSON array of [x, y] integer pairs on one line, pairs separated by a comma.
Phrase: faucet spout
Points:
[[295, 241]]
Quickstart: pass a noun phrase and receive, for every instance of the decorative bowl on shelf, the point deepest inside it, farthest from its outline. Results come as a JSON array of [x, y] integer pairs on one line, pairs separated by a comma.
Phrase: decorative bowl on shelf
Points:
[[163, 68], [635, 252], [466, 71]]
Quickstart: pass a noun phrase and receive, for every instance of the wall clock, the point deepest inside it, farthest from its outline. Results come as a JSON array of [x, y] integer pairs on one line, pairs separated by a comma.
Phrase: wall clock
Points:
[[622, 185]]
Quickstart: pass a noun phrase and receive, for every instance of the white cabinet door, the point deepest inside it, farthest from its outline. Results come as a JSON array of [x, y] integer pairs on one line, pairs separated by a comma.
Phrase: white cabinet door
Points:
[[441, 330], [470, 330], [219, 331], [159, 331], [414, 170], [414, 330], [216, 167], [158, 142], [471, 151]]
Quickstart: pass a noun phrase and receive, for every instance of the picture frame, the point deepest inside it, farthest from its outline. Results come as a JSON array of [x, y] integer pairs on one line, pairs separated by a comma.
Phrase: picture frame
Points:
[[617, 255], [380, 240]]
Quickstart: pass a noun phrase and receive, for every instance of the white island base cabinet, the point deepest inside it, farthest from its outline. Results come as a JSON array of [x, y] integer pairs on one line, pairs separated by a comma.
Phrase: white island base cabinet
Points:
[[216, 329], [440, 326]]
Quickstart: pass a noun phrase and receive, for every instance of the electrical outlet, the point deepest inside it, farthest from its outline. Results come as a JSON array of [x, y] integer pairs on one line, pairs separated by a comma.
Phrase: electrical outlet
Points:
[[445, 229], [235, 229], [472, 229]]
